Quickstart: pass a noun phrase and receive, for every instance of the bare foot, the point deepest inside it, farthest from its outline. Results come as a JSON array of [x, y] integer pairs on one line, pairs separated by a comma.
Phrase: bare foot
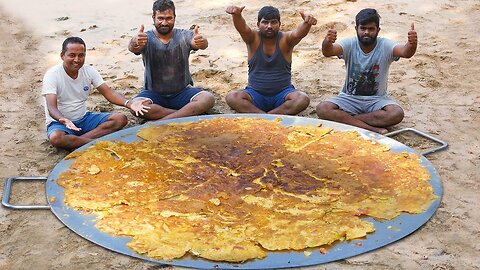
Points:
[[377, 130], [382, 131]]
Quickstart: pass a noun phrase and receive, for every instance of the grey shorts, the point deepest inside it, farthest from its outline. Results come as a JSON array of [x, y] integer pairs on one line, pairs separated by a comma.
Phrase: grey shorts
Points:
[[361, 104]]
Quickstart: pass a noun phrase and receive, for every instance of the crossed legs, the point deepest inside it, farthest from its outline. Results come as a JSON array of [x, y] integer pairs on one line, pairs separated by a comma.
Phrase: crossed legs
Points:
[[203, 102], [61, 139], [242, 102], [376, 121]]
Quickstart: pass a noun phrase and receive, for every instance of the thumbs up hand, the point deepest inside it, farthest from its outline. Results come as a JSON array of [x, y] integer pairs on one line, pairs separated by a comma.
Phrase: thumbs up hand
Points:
[[195, 30], [141, 38], [198, 42], [307, 18], [412, 35], [331, 33], [234, 10]]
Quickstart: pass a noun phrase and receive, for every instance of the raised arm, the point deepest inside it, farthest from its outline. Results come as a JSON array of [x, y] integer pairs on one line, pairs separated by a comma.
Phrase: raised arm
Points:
[[247, 34], [409, 49], [118, 99], [294, 37], [329, 47], [198, 41], [138, 42]]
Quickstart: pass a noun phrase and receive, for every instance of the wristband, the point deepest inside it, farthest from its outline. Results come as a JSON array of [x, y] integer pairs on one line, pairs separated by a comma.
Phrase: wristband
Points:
[[126, 102]]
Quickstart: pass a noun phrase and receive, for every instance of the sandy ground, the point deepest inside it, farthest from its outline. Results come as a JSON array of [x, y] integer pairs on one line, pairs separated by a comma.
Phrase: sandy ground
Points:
[[438, 88]]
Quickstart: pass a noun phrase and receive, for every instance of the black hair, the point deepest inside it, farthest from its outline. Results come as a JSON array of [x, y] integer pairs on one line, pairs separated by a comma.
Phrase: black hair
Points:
[[72, 40], [162, 5], [367, 15], [268, 13]]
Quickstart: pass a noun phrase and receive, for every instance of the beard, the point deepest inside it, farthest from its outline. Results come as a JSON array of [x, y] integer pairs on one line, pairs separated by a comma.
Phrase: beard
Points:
[[164, 30], [368, 40]]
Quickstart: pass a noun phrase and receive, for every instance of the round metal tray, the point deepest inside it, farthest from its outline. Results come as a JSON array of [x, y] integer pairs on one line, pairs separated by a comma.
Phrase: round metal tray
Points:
[[385, 233]]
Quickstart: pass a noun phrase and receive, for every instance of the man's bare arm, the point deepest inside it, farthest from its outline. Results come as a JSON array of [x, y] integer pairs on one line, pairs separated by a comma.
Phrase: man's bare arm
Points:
[[52, 107], [247, 34], [138, 42], [329, 47], [295, 36], [118, 99], [408, 49]]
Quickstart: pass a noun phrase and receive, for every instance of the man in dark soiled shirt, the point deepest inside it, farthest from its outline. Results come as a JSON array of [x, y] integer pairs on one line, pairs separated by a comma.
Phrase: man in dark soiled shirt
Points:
[[165, 51], [269, 89]]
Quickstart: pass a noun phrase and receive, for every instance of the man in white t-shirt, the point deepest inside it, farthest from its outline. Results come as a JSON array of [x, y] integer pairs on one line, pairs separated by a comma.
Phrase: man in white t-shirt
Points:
[[66, 88], [363, 101]]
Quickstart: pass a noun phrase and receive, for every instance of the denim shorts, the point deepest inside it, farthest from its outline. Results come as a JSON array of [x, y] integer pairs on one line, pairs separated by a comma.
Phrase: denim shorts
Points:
[[268, 103], [87, 123], [175, 101]]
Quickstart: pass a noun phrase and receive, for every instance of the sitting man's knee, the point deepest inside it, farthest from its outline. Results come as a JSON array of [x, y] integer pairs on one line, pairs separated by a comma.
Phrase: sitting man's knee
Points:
[[203, 102], [56, 138], [232, 97], [324, 108], [396, 114], [120, 120], [304, 99], [398, 117], [209, 100]]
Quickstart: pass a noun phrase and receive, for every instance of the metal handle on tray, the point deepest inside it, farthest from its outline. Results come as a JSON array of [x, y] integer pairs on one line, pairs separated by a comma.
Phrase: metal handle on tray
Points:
[[8, 188], [425, 135]]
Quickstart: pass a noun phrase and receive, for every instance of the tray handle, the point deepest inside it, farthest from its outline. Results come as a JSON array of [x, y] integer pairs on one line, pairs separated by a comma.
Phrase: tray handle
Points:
[[8, 188], [443, 144]]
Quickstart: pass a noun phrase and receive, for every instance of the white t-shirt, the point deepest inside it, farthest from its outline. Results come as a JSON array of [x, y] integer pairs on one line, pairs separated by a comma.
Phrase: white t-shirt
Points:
[[71, 93]]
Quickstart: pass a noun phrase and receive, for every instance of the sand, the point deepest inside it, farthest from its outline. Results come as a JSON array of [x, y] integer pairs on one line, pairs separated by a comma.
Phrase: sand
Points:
[[438, 89]]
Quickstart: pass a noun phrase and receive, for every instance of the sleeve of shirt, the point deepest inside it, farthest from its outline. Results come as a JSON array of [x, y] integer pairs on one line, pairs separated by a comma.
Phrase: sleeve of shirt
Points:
[[49, 85], [150, 38], [95, 76], [346, 45], [388, 45], [188, 37]]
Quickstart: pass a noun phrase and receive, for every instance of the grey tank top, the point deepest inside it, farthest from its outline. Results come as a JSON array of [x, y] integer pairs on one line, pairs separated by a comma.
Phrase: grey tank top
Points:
[[166, 65], [269, 75]]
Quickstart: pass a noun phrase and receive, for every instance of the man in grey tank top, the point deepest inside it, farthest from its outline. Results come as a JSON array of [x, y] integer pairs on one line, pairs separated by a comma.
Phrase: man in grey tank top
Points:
[[363, 101], [165, 51], [269, 87]]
